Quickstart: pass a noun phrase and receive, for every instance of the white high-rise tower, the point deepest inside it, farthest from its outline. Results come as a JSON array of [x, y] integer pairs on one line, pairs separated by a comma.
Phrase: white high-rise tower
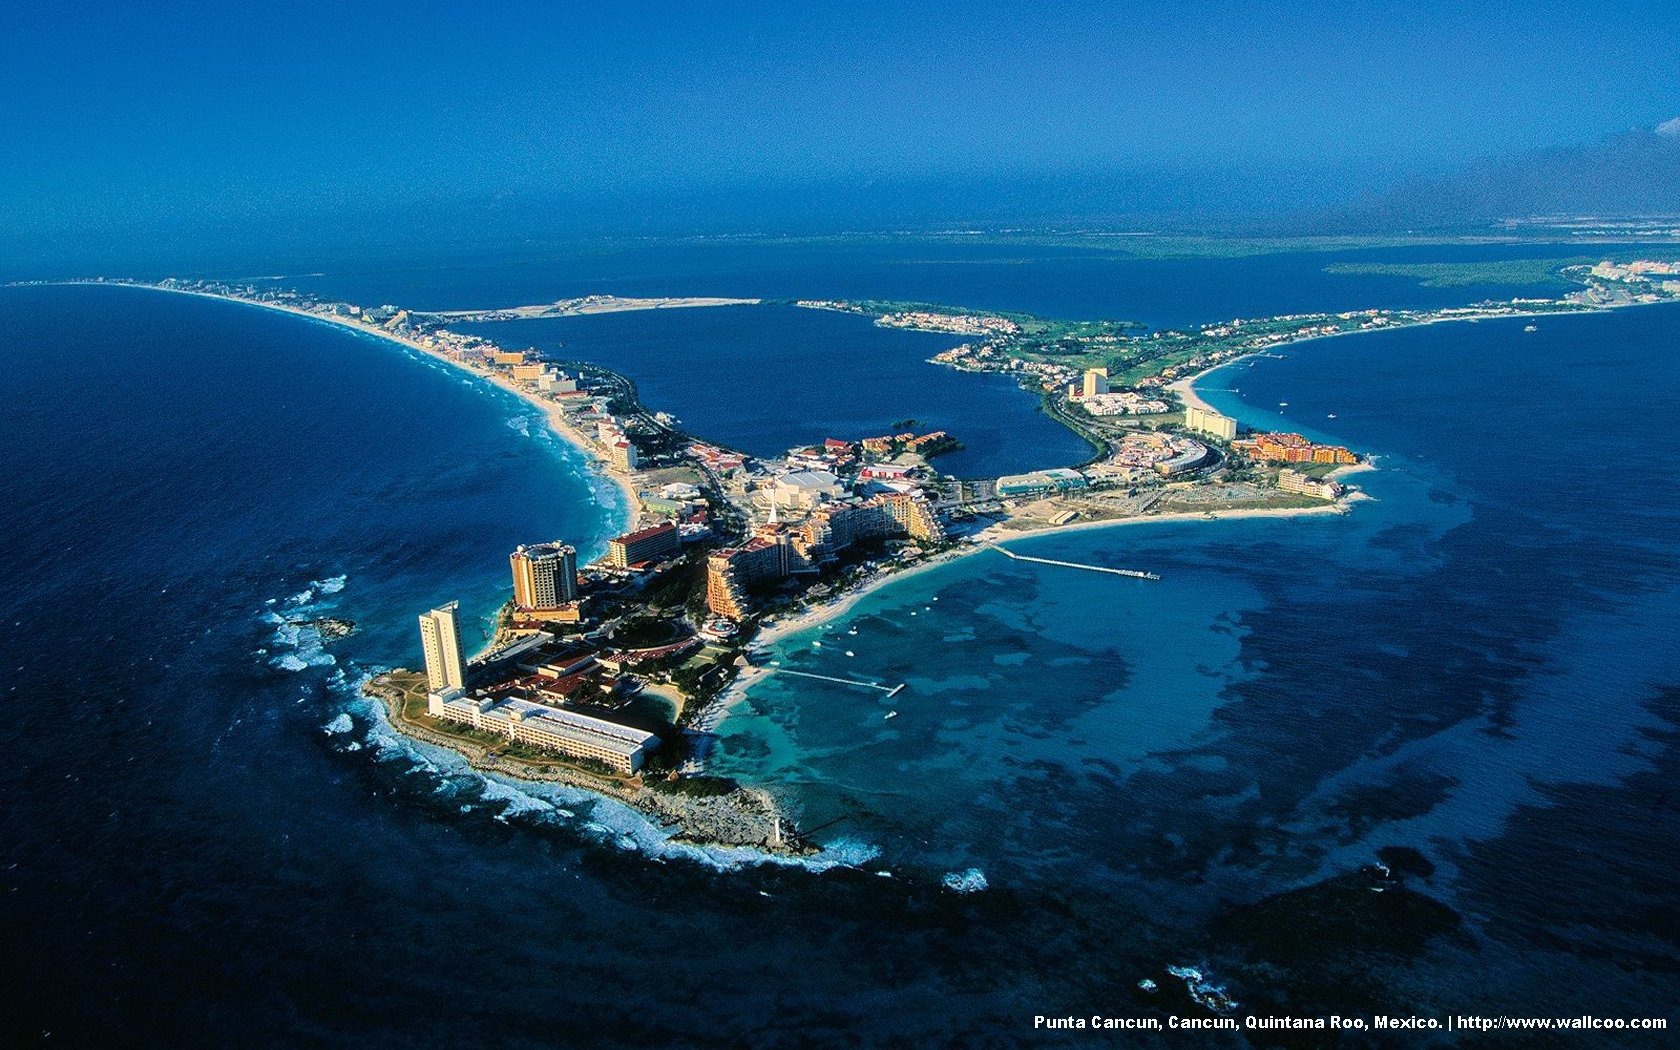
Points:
[[441, 640]]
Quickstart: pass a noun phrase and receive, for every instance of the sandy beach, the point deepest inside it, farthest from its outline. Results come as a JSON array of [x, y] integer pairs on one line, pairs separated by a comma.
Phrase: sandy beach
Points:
[[821, 614], [552, 411], [592, 304], [1186, 388], [811, 618]]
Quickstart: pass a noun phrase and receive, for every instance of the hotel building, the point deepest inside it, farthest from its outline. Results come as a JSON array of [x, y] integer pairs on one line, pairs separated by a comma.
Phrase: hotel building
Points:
[[622, 748], [733, 571], [1295, 481], [1210, 423], [643, 546], [440, 639], [1095, 382], [777, 552], [915, 516], [1040, 482], [544, 576], [1293, 448]]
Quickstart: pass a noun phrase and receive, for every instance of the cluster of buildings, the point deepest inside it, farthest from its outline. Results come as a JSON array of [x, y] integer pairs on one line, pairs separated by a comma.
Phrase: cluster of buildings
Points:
[[679, 501], [1166, 454], [954, 324], [718, 460], [1292, 448], [513, 713], [616, 444], [839, 456], [995, 357], [930, 444], [1641, 272], [623, 749], [1093, 393], [777, 551], [1639, 268], [1124, 403]]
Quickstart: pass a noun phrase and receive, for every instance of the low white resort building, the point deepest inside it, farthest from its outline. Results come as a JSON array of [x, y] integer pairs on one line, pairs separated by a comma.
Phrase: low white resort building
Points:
[[575, 735]]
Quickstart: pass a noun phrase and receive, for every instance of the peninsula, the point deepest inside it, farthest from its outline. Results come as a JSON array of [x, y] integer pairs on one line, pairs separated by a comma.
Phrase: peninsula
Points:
[[609, 674]]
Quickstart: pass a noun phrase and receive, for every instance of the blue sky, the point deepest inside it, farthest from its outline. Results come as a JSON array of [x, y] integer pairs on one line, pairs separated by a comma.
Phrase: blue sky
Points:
[[113, 116]]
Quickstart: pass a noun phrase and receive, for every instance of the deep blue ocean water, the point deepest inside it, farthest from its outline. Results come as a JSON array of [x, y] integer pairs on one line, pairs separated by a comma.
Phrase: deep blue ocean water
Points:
[[766, 378], [1479, 664]]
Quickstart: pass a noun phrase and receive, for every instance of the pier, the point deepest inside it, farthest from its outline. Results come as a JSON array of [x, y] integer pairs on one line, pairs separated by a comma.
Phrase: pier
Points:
[[1136, 574]]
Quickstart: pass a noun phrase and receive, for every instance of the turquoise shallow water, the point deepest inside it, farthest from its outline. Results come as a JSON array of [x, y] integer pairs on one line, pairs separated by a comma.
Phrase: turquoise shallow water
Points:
[[1474, 663]]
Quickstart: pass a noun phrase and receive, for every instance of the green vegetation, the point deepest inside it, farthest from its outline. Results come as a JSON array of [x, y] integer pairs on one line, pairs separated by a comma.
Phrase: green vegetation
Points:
[[1317, 471], [1147, 245], [701, 786], [644, 632], [1457, 274], [1536, 271], [1034, 329]]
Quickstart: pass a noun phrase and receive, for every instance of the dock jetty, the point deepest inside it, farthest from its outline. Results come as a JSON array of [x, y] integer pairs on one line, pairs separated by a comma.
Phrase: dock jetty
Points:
[[1136, 574]]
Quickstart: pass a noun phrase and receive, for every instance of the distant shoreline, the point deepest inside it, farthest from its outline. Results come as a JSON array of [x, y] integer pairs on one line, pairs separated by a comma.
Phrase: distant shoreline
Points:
[[553, 413], [1186, 388]]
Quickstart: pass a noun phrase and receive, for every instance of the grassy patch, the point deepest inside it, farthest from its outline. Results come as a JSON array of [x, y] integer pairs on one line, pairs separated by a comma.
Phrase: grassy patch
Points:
[[1458, 274]]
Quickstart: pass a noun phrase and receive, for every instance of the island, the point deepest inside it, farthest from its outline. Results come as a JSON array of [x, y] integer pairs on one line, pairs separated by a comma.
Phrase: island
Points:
[[610, 674]]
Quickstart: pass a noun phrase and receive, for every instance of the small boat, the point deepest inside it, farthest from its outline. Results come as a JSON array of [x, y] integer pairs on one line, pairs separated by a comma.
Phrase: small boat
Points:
[[1531, 328], [852, 631], [850, 653], [1331, 416], [1283, 404], [890, 714]]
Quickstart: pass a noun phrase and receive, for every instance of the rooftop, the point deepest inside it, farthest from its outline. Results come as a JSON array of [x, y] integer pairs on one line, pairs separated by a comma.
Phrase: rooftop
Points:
[[809, 479], [642, 534], [569, 725]]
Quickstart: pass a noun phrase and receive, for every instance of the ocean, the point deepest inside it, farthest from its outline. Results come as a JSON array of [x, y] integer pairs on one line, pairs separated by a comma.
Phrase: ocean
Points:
[[1471, 679]]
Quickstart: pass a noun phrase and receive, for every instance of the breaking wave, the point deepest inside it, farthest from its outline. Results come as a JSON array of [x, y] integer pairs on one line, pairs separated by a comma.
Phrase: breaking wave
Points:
[[602, 820], [299, 646], [971, 880]]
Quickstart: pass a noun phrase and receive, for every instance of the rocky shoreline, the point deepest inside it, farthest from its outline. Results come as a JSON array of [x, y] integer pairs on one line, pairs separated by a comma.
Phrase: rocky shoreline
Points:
[[736, 817]]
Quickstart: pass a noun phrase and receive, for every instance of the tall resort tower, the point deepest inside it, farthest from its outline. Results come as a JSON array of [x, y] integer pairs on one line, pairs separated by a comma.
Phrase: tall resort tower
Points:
[[544, 576], [441, 639]]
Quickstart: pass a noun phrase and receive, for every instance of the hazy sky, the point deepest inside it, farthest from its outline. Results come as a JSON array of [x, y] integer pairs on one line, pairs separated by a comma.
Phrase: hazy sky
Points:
[[212, 110]]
